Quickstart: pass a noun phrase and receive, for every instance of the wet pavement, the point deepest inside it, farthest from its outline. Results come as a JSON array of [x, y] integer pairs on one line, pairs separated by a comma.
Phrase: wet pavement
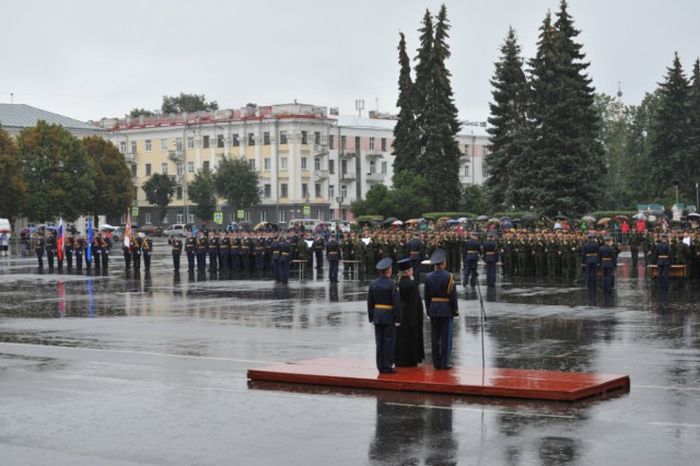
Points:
[[119, 369]]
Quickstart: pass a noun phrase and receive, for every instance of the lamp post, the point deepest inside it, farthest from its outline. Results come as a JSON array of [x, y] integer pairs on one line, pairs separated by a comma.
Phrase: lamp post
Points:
[[675, 184], [697, 198]]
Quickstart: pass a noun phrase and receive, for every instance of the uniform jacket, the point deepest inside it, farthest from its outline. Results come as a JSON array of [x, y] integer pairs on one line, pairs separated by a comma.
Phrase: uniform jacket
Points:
[[383, 302], [590, 252], [471, 250], [440, 294], [608, 258]]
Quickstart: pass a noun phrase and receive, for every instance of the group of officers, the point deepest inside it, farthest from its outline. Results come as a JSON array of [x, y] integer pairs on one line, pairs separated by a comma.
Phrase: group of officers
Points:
[[75, 251]]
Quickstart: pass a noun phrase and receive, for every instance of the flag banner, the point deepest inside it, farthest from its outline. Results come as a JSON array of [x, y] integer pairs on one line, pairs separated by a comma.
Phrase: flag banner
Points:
[[88, 253], [127, 230], [60, 240]]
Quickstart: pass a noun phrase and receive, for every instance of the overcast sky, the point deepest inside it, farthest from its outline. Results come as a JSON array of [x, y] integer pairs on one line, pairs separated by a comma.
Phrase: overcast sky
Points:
[[92, 58]]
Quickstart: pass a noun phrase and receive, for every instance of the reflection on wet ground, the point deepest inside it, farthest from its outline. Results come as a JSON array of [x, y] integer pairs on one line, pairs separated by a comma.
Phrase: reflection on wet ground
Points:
[[90, 364]]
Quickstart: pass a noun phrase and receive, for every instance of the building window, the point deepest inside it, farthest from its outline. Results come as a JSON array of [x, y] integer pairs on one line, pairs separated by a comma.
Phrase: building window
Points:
[[343, 142], [486, 150], [304, 190], [190, 167], [268, 191], [317, 188], [148, 145], [179, 218], [251, 139], [148, 217], [263, 215], [372, 167], [122, 147], [371, 143], [466, 170], [384, 167], [206, 166], [165, 219], [178, 193], [133, 171], [148, 169], [283, 190], [303, 163], [317, 163], [163, 144], [283, 163], [344, 191], [190, 218], [266, 163], [190, 142], [331, 191], [180, 169], [178, 143], [236, 140], [266, 138], [317, 138], [304, 137], [343, 167], [205, 142], [358, 143], [331, 166], [251, 164], [484, 171], [164, 168], [133, 147], [220, 141], [383, 144], [331, 142], [283, 137], [283, 215]]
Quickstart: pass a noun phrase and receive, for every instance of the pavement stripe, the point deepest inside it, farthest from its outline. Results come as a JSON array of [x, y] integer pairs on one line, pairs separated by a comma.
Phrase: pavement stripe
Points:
[[674, 424], [661, 387], [143, 353], [479, 410]]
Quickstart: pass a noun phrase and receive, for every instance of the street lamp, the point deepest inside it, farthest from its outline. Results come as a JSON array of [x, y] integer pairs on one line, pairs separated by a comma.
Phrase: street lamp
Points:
[[675, 184], [697, 199]]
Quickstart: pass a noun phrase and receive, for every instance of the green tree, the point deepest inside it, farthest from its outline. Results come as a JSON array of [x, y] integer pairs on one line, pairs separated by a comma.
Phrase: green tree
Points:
[[475, 199], [638, 148], [436, 115], [670, 142], [187, 103], [376, 202], [137, 112], [201, 191], [58, 171], [114, 191], [406, 137], [694, 143], [238, 183], [507, 120], [13, 189], [159, 191], [410, 196]]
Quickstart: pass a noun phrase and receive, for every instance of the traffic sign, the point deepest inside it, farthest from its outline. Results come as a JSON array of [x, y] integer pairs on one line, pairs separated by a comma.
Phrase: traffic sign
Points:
[[240, 214], [134, 211], [307, 210], [219, 217]]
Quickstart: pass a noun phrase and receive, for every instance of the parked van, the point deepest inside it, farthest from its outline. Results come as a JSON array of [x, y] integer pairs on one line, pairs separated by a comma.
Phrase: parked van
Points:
[[176, 229], [309, 223], [5, 233]]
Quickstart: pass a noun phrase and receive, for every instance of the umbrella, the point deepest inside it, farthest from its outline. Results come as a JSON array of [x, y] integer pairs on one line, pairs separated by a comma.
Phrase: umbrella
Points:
[[443, 219], [652, 218], [603, 221], [412, 221], [463, 219], [588, 218], [494, 220], [560, 217], [482, 218], [261, 225], [397, 223], [390, 221], [505, 219], [452, 222], [694, 216], [640, 216], [107, 227], [620, 217]]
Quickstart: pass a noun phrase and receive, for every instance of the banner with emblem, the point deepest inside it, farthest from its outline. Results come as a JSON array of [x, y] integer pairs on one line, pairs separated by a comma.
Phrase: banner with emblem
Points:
[[60, 240]]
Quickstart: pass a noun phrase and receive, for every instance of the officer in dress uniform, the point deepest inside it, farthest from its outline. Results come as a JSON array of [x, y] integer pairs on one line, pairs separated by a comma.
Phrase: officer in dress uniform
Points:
[[275, 259], [147, 249], [285, 251], [176, 249], [384, 311], [68, 243], [319, 245], [39, 250], [663, 260], [590, 252], [213, 251], [490, 249], [190, 250], [224, 252], [136, 244], [50, 249], [441, 305], [97, 250], [78, 247], [105, 246], [334, 257], [201, 250], [126, 252], [608, 262], [471, 259]]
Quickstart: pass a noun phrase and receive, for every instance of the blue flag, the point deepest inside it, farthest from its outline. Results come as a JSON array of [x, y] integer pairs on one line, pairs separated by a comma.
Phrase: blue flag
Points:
[[88, 253]]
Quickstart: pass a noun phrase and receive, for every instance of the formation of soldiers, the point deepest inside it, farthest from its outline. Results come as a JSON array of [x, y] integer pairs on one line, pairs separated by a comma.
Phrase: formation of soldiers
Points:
[[74, 251]]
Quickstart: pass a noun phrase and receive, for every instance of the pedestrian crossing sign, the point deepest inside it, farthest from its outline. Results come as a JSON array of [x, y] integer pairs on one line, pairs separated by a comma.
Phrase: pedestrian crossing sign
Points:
[[218, 217]]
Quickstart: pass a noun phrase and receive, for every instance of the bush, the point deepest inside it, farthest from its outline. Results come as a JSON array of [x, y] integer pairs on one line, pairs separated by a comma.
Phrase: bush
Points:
[[613, 213], [437, 215]]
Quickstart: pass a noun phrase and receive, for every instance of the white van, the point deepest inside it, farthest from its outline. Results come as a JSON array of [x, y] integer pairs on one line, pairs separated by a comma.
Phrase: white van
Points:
[[309, 223], [5, 234]]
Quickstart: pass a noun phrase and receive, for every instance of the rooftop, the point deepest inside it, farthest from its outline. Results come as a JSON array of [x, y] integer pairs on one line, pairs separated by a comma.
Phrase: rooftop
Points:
[[26, 116]]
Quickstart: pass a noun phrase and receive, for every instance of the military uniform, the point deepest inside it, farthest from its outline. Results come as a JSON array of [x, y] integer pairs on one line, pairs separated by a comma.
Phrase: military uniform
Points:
[[608, 262], [285, 251], [590, 257], [472, 248], [176, 251], [39, 246], [384, 311], [441, 305], [490, 249], [663, 261], [190, 246], [334, 257]]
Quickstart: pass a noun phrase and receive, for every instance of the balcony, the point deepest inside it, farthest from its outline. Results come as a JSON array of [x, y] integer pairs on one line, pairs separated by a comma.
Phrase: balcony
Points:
[[374, 154], [375, 177], [321, 174], [176, 155], [347, 176], [347, 154], [320, 149], [131, 158]]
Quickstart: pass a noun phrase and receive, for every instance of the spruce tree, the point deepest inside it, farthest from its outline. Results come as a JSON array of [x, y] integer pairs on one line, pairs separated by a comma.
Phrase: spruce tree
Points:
[[670, 142], [406, 139], [695, 124], [437, 116], [422, 84], [507, 120]]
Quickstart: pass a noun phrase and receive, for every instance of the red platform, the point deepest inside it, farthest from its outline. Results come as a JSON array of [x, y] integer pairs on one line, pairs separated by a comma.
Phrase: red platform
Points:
[[505, 383]]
